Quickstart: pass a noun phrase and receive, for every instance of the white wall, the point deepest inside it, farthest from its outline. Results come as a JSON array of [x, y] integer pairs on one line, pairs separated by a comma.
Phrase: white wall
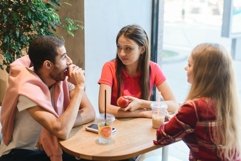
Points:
[[103, 19]]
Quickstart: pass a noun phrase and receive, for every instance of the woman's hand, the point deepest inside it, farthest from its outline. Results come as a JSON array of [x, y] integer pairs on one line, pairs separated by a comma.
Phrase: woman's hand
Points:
[[135, 103]]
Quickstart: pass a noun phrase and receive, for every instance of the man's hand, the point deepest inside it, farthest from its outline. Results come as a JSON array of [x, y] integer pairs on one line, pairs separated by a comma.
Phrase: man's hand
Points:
[[76, 75]]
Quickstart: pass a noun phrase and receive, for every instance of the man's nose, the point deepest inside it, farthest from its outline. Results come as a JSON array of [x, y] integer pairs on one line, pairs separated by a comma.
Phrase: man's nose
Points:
[[69, 60]]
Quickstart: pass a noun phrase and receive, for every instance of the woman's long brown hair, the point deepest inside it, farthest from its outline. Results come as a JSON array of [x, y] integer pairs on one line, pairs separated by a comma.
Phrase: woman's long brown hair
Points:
[[137, 34]]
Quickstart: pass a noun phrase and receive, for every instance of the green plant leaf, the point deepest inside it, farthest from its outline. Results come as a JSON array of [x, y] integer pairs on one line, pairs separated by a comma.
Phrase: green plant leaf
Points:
[[22, 20]]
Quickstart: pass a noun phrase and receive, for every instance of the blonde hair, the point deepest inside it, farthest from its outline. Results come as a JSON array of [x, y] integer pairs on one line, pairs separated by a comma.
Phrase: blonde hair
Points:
[[214, 78]]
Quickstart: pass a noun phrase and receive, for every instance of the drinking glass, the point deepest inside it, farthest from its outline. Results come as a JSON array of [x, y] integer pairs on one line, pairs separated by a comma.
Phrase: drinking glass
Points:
[[159, 111], [105, 128]]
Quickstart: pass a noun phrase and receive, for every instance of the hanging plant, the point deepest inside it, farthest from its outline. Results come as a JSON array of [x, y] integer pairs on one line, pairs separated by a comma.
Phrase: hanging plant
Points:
[[23, 20]]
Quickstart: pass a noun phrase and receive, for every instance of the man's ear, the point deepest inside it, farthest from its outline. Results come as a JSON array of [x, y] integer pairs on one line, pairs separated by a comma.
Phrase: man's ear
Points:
[[48, 64]]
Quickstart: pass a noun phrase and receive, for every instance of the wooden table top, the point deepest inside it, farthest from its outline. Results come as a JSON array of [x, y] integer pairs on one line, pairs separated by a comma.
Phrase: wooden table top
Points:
[[134, 136]]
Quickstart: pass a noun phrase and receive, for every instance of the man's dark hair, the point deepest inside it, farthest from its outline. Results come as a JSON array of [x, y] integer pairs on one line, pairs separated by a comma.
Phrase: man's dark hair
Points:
[[43, 48]]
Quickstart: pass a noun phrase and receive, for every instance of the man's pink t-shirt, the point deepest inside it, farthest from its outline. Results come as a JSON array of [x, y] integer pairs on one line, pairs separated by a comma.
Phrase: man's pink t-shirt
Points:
[[130, 84]]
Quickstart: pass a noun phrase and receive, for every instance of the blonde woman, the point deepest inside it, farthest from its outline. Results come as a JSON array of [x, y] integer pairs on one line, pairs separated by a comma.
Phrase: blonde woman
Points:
[[208, 122]]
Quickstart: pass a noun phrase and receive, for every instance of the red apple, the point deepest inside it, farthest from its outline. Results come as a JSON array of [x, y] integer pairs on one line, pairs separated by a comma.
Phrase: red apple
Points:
[[122, 102]]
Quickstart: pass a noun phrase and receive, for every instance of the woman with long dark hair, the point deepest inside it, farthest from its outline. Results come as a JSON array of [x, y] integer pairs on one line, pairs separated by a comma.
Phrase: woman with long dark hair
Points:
[[132, 75]]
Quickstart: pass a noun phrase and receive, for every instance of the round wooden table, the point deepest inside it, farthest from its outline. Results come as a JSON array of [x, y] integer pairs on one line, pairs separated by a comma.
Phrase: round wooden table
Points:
[[133, 136]]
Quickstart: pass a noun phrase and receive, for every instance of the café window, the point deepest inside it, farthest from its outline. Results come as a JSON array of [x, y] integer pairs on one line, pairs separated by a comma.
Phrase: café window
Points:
[[232, 19]]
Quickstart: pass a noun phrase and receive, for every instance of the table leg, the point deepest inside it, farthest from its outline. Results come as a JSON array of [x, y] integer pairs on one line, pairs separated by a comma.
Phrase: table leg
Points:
[[165, 153]]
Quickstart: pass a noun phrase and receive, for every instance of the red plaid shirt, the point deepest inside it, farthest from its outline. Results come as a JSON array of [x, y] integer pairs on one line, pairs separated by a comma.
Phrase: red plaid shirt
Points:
[[194, 124]]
